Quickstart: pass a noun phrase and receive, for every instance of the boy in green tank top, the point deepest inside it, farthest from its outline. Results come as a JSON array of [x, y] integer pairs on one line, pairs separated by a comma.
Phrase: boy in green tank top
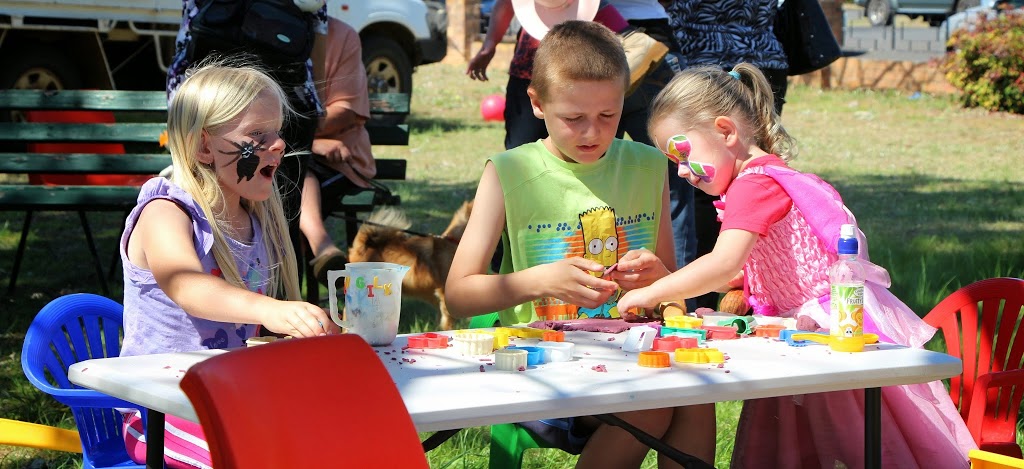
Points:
[[567, 208]]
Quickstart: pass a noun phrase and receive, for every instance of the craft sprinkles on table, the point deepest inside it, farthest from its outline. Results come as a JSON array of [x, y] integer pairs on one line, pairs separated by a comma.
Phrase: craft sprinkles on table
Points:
[[589, 346]]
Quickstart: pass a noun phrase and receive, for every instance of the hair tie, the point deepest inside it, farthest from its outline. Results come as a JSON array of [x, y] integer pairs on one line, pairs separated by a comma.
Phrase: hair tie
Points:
[[734, 74]]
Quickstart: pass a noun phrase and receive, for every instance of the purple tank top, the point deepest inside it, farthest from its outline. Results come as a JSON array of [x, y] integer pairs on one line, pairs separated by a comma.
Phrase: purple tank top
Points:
[[155, 324]]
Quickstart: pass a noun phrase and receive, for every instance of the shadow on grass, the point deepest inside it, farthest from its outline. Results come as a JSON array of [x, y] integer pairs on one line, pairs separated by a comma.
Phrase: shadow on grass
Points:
[[420, 124], [933, 235], [936, 235]]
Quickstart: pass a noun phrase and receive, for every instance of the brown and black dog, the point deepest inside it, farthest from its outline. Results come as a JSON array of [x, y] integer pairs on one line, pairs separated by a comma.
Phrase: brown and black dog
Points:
[[430, 257]]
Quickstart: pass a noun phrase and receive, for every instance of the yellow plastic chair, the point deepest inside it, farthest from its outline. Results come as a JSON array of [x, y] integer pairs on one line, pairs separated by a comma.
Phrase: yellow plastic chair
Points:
[[34, 435]]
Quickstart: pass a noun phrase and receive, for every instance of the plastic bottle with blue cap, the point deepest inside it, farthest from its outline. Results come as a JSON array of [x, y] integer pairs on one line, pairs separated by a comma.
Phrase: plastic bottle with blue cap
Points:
[[846, 306]]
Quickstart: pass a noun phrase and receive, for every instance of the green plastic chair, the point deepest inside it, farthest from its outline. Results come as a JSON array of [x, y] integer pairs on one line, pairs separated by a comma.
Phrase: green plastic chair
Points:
[[508, 440]]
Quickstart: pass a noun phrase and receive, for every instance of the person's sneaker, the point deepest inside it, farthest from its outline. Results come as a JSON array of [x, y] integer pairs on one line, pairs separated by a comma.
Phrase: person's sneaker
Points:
[[642, 53], [331, 259]]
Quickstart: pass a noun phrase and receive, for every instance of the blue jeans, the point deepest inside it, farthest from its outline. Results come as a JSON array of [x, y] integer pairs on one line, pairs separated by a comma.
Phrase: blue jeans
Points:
[[634, 122]]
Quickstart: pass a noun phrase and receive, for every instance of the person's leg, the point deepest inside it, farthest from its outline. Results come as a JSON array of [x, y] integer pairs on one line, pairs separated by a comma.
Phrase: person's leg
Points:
[[321, 194], [707, 228], [611, 446], [310, 219], [692, 431], [634, 122], [521, 126], [779, 81], [184, 443], [684, 230], [291, 175]]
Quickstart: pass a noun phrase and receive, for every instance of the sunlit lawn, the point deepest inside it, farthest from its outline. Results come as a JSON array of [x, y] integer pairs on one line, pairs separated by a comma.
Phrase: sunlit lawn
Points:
[[937, 189]]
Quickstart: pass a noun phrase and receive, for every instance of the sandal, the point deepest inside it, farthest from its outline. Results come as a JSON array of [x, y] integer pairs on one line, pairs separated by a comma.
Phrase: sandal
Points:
[[333, 260]]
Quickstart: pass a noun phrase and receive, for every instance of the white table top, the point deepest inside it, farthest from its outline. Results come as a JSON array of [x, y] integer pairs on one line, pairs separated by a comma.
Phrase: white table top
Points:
[[444, 390]]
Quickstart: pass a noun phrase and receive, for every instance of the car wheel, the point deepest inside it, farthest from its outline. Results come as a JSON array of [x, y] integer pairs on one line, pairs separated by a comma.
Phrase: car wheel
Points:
[[38, 68], [963, 5], [41, 68], [879, 12], [387, 71]]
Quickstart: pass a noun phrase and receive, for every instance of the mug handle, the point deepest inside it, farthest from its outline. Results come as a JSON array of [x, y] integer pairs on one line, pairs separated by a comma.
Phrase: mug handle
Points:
[[332, 279]]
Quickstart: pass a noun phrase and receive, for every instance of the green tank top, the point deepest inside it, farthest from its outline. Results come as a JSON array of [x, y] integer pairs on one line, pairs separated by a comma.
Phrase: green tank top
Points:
[[555, 209]]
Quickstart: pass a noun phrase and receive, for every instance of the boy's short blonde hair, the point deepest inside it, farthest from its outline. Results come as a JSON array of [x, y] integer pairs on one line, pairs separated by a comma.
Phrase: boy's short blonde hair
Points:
[[578, 51]]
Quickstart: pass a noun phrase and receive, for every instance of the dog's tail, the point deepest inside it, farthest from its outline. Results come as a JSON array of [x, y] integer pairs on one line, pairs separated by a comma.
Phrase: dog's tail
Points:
[[383, 228], [385, 217]]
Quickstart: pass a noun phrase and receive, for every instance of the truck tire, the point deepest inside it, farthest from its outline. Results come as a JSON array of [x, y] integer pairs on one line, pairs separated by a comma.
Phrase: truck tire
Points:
[[40, 68], [388, 70], [879, 12]]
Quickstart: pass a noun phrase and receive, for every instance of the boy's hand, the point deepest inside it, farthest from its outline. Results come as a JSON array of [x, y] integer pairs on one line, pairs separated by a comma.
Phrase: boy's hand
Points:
[[638, 268], [299, 319], [570, 280]]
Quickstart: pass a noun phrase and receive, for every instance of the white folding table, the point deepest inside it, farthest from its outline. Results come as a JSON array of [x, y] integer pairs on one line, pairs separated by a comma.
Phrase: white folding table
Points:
[[444, 390]]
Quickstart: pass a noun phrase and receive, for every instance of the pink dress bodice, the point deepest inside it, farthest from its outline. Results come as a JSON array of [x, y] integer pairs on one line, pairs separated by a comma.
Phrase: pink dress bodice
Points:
[[787, 267]]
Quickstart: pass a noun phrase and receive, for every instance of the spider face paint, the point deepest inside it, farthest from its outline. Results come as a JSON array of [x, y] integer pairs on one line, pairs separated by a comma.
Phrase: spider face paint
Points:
[[678, 148], [247, 157]]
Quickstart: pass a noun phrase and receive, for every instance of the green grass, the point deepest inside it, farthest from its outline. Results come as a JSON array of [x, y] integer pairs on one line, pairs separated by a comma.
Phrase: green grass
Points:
[[936, 188]]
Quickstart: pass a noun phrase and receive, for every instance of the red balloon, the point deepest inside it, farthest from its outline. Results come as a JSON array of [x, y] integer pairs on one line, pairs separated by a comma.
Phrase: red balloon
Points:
[[492, 108]]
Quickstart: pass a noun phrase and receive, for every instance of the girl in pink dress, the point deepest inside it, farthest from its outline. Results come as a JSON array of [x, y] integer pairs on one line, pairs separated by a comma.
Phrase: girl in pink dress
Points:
[[779, 236]]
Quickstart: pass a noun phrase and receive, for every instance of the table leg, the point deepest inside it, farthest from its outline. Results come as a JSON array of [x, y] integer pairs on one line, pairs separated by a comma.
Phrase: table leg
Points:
[[872, 428], [439, 437], [154, 439], [661, 447]]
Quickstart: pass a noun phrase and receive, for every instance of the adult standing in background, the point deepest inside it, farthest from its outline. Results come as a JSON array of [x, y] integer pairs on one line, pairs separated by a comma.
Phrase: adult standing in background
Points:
[[724, 33], [342, 160], [293, 72], [522, 126]]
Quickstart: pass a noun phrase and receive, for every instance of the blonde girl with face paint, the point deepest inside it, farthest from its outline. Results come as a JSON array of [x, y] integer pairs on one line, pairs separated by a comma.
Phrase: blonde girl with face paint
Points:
[[779, 236], [206, 256]]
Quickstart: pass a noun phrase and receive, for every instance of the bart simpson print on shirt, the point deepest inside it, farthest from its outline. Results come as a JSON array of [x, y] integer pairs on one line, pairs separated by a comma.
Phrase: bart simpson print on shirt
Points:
[[598, 234]]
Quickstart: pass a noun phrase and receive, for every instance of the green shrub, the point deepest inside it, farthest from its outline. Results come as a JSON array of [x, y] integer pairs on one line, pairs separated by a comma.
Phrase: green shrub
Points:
[[986, 63]]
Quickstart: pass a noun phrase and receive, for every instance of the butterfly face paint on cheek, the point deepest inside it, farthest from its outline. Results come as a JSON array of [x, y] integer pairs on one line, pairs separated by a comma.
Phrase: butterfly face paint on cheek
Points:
[[247, 157], [678, 148]]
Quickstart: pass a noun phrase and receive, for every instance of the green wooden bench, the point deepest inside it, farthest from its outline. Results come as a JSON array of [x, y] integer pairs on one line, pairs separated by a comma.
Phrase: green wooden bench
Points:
[[142, 156], [142, 118]]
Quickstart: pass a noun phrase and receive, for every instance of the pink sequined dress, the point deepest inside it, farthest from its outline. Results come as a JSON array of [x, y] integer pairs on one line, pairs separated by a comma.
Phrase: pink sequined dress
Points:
[[787, 275]]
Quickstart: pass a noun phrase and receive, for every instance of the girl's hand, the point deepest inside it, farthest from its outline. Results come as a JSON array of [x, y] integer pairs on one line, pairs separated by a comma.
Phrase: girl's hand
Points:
[[299, 319], [633, 300], [570, 280], [638, 268]]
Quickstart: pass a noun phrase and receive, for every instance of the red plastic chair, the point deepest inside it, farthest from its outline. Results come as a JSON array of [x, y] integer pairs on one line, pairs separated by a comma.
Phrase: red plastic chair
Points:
[[316, 402], [979, 323]]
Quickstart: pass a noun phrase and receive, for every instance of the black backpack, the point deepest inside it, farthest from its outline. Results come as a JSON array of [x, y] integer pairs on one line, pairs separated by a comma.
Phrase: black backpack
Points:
[[275, 30]]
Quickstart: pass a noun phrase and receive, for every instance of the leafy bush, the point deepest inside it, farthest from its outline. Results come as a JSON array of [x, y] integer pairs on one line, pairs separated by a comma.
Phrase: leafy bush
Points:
[[986, 62]]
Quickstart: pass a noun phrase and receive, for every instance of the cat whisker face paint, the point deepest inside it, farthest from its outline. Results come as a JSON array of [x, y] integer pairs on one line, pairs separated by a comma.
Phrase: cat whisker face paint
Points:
[[678, 148], [248, 158]]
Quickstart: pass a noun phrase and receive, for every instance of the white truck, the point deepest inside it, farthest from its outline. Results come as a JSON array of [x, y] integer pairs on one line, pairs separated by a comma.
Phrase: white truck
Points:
[[128, 44]]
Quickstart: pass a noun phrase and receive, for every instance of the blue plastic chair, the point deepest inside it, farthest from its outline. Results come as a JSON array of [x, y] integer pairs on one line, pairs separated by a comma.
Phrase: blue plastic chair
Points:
[[70, 329], [508, 440]]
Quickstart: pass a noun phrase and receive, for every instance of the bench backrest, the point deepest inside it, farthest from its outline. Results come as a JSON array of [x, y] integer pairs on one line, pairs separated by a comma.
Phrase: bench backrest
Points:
[[148, 119], [74, 148]]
